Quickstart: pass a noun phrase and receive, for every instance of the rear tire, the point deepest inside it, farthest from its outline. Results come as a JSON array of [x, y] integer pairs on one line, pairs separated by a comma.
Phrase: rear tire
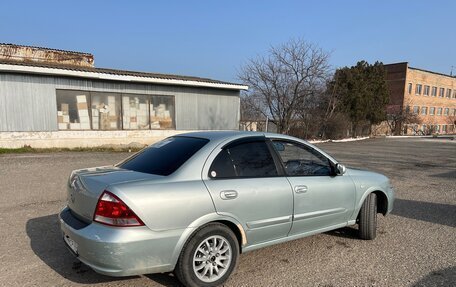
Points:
[[209, 257], [368, 218]]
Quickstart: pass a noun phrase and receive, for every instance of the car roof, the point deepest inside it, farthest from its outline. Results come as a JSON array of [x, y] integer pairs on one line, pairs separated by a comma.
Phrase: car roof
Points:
[[226, 135]]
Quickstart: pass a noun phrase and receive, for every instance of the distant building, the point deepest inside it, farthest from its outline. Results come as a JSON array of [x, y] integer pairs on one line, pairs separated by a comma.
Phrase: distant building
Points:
[[55, 98], [430, 95]]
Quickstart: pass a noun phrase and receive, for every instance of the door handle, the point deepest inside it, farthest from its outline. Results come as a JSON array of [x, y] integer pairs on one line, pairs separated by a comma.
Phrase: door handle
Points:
[[228, 194], [300, 188]]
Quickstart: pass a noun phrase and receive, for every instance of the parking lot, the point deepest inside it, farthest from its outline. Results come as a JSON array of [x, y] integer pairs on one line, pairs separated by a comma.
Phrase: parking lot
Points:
[[416, 244]]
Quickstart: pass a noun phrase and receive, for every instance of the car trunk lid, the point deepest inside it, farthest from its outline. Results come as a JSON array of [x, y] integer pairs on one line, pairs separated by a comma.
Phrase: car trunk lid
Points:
[[86, 185]]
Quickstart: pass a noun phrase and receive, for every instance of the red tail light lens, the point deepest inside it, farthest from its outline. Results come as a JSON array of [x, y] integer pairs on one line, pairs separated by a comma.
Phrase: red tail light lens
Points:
[[112, 211]]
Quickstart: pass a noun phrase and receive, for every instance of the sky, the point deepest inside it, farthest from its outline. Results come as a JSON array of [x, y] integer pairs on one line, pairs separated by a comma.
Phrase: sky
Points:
[[215, 38]]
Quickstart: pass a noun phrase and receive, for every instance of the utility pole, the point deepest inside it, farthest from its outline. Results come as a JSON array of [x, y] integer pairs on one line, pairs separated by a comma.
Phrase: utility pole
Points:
[[451, 72]]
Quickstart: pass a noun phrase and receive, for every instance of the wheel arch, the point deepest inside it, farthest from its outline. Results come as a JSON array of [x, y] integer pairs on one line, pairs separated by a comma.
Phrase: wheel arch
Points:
[[382, 201], [200, 223]]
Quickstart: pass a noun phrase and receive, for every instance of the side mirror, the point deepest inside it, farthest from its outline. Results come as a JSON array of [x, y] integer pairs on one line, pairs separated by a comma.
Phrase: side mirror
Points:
[[341, 169]]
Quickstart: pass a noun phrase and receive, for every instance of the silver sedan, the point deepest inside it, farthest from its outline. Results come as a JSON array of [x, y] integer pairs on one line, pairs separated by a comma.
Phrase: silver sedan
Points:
[[193, 202]]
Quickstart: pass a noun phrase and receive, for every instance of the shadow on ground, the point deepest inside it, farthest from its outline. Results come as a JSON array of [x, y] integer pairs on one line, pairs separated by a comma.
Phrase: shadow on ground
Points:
[[444, 277], [447, 175], [345, 232], [165, 279], [439, 213], [47, 243]]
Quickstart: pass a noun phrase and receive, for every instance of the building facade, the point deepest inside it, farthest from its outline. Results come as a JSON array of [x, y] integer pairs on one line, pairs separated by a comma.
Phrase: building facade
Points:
[[428, 97], [47, 102]]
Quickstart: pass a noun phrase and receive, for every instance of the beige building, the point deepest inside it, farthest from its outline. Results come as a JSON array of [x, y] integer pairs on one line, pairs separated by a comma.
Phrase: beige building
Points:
[[429, 95]]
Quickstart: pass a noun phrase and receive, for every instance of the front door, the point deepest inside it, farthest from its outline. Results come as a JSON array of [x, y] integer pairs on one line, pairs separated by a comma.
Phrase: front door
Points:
[[321, 198]]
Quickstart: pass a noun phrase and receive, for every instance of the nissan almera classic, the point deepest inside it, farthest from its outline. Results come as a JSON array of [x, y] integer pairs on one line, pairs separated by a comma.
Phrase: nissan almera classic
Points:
[[192, 203]]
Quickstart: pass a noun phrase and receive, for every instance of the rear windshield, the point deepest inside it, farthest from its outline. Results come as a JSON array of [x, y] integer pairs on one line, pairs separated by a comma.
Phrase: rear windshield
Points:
[[164, 157]]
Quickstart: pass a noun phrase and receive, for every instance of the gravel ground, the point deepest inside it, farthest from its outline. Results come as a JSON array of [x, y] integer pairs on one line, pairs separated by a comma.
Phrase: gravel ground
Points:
[[416, 244]]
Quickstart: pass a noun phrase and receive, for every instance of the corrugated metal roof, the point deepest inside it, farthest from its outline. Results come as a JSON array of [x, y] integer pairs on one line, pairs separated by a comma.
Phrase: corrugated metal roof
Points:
[[118, 72]]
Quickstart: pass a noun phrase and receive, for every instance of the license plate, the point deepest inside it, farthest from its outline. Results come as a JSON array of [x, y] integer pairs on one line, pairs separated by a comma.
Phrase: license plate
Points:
[[71, 243]]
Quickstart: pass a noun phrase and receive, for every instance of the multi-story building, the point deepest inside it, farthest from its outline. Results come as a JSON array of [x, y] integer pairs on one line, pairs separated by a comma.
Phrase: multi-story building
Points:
[[429, 98]]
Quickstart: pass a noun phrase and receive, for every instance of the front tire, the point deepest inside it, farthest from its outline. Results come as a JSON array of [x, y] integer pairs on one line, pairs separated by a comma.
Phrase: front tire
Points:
[[368, 218], [209, 257]]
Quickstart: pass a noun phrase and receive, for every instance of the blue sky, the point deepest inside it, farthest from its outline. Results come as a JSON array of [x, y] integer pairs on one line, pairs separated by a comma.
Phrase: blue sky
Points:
[[214, 38]]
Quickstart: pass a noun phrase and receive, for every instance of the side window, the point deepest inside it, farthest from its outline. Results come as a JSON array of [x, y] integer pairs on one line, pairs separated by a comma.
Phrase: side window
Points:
[[300, 160], [251, 159], [222, 166]]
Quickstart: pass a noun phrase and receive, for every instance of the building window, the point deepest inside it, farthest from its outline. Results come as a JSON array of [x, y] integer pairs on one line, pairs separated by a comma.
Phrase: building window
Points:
[[446, 111], [439, 111], [416, 109], [162, 112], [437, 128], [434, 91], [448, 95], [81, 110], [454, 94], [431, 111], [418, 89], [424, 110], [135, 112], [410, 88], [454, 112], [426, 90], [72, 110], [444, 128], [442, 92], [105, 111]]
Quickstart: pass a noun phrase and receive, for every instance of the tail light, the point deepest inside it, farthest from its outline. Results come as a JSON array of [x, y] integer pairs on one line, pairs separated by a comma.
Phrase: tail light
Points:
[[113, 211]]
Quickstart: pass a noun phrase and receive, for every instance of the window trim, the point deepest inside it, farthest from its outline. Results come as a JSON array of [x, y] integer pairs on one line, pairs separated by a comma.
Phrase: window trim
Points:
[[418, 89], [426, 90]]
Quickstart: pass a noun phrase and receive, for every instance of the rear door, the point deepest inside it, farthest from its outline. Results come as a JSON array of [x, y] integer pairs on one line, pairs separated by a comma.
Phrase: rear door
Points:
[[245, 182], [321, 198]]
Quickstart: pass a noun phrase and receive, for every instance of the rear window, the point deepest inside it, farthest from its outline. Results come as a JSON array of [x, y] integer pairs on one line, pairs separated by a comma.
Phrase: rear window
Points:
[[164, 157]]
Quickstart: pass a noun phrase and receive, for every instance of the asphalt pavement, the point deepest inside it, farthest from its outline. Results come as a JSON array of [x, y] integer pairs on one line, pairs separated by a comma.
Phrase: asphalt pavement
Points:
[[415, 245]]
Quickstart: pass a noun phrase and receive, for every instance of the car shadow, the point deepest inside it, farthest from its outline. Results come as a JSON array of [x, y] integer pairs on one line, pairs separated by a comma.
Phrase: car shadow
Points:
[[165, 279], [439, 213], [447, 175], [345, 232], [444, 277], [47, 243]]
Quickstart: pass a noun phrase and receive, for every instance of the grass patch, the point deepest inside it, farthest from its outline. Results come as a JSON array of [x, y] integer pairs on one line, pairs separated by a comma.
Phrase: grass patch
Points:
[[28, 149]]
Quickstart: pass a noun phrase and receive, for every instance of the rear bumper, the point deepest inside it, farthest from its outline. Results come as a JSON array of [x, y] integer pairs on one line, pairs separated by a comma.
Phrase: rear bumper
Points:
[[121, 251]]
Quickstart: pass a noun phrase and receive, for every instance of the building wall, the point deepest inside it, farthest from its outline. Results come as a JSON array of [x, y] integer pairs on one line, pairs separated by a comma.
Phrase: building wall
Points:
[[28, 102], [424, 78], [75, 139], [396, 77], [400, 76], [28, 111], [29, 54]]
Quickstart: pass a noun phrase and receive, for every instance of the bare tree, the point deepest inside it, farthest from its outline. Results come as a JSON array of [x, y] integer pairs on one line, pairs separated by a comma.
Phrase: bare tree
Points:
[[284, 82], [400, 115]]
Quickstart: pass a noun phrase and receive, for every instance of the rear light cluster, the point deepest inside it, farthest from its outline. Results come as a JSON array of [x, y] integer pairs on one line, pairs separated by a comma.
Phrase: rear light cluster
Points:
[[112, 211]]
